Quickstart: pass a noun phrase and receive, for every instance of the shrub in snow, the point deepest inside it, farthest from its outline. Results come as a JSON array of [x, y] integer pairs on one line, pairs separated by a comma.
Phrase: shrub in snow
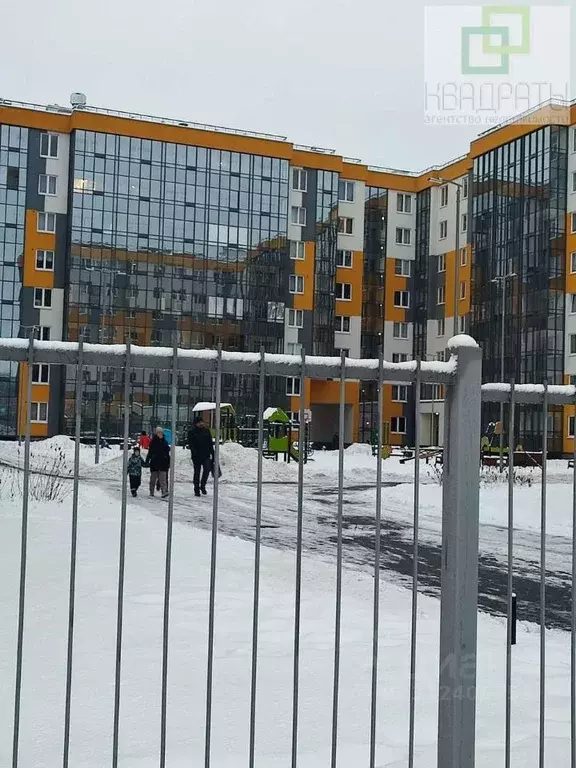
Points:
[[488, 475], [49, 478]]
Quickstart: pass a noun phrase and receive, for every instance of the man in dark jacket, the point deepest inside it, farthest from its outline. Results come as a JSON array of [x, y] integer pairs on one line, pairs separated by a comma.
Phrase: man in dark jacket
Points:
[[158, 460], [202, 451]]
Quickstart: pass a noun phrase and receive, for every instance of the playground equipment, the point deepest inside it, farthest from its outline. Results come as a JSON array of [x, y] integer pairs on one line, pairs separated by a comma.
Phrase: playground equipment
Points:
[[279, 437], [228, 427], [386, 447]]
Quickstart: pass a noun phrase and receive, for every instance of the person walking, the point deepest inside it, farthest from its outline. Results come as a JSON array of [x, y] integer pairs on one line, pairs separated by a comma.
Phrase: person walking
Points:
[[144, 441], [158, 460], [202, 452], [135, 464]]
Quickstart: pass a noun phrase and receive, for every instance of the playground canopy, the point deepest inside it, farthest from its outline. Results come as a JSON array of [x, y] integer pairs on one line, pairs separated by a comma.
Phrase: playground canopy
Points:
[[201, 407]]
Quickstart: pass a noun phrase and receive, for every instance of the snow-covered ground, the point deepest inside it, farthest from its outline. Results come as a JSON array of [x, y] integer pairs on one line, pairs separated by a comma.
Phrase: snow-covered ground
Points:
[[46, 623]]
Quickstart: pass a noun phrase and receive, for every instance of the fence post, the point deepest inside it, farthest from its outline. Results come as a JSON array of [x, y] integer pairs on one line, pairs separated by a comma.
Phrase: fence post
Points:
[[459, 596]]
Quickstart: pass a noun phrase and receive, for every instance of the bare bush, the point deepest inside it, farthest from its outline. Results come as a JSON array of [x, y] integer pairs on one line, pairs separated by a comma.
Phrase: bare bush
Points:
[[488, 476], [49, 478]]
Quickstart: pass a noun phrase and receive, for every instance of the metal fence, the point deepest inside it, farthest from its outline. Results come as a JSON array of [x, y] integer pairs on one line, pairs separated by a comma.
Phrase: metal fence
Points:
[[461, 377]]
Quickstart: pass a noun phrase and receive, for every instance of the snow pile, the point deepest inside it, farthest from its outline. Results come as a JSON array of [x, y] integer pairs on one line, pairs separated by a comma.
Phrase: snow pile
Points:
[[359, 449], [240, 464]]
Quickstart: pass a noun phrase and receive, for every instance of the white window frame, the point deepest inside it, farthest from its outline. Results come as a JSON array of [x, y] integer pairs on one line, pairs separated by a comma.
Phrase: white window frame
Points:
[[299, 180], [399, 393], [464, 222], [441, 327], [36, 415], [403, 202], [51, 140], [399, 357], [573, 343], [403, 267], [441, 262], [462, 290], [444, 196], [443, 229], [573, 304], [297, 251], [403, 236], [404, 299], [573, 181], [571, 421], [295, 318], [44, 292], [43, 333], [47, 217], [462, 324], [573, 139], [294, 348], [341, 288], [400, 331], [296, 284], [345, 225], [293, 386], [42, 371], [342, 257], [349, 190], [298, 216], [465, 186], [47, 184], [396, 422], [573, 223], [339, 324], [43, 260], [463, 257], [441, 295], [573, 263]]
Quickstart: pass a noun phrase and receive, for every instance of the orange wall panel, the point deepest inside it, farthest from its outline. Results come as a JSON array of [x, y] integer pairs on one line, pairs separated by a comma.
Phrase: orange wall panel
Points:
[[328, 392], [40, 394], [353, 276], [305, 267], [394, 282], [33, 241]]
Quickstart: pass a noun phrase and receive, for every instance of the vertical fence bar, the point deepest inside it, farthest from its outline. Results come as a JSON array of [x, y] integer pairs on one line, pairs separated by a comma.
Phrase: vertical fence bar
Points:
[[121, 559], [510, 596], [168, 563], [338, 616], [459, 595], [73, 550], [23, 555], [414, 618], [298, 585], [377, 539], [257, 543], [541, 750], [573, 615], [213, 552], [98, 414]]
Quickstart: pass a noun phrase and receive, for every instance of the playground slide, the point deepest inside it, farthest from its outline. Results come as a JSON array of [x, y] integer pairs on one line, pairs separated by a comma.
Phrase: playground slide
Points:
[[293, 453]]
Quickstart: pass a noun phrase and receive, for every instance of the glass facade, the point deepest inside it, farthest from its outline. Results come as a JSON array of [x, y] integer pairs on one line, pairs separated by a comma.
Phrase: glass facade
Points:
[[519, 210], [326, 237], [375, 233], [422, 274], [173, 244], [13, 177]]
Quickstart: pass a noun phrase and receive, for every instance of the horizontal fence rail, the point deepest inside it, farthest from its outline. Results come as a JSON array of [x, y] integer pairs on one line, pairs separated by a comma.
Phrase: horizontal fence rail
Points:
[[114, 356]]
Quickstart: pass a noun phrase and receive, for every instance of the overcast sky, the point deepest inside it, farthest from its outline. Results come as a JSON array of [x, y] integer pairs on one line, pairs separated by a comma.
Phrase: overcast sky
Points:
[[344, 74]]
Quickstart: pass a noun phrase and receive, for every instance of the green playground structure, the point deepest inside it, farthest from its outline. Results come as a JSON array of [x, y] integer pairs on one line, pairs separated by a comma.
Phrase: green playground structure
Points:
[[278, 435], [228, 427]]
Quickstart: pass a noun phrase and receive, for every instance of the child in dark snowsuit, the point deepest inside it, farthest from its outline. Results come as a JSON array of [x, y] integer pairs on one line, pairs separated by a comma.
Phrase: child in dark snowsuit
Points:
[[135, 464]]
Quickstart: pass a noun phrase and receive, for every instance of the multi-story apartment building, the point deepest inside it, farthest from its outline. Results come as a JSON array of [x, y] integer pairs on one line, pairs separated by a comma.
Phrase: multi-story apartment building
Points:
[[117, 226]]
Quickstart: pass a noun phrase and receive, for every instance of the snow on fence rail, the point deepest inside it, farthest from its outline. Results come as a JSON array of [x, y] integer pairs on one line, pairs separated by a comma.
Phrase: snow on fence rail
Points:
[[462, 376]]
